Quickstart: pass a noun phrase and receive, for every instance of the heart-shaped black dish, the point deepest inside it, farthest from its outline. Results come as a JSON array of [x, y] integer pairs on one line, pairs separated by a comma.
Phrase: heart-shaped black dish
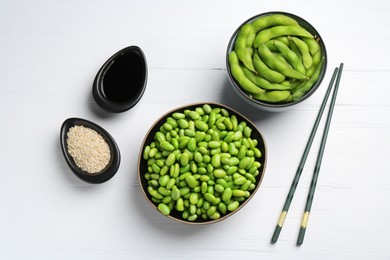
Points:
[[114, 160]]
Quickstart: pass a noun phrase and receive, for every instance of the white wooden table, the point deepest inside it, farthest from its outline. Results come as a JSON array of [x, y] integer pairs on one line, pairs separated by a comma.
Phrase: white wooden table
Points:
[[50, 52]]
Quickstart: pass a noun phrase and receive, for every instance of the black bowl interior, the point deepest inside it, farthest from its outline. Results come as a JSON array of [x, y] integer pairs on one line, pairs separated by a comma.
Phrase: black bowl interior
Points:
[[271, 106], [142, 163], [109, 171]]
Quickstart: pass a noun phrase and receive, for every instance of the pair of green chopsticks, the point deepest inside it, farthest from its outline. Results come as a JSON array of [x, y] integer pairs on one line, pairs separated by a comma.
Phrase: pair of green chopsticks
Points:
[[305, 218]]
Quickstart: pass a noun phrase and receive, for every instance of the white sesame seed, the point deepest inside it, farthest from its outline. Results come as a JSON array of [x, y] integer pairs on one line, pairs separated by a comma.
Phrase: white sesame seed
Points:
[[88, 149]]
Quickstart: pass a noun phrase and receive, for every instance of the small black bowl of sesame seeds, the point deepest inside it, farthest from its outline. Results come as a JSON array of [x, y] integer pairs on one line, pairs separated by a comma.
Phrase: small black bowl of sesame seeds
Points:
[[89, 150]]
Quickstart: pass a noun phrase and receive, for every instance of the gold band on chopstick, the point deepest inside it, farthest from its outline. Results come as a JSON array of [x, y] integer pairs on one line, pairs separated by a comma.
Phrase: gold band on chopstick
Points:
[[282, 218], [305, 219]]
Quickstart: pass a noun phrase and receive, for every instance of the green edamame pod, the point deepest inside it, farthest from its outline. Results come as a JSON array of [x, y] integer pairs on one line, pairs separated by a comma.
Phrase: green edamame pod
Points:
[[275, 96], [272, 20], [306, 86], [238, 75], [312, 44], [283, 39], [243, 46], [294, 48], [290, 56], [270, 59], [316, 61], [262, 82], [304, 50], [292, 84], [276, 31], [267, 73]]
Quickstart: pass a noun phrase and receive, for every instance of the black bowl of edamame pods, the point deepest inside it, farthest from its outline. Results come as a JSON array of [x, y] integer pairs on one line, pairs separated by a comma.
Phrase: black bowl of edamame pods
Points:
[[276, 60], [201, 163]]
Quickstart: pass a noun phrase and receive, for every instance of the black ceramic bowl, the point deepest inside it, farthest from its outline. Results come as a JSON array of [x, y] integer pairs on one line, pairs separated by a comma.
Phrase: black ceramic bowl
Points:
[[275, 107], [150, 135], [121, 81], [105, 174]]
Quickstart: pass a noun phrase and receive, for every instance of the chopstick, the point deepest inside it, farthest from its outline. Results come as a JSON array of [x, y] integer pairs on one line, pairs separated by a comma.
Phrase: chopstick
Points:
[[313, 185], [298, 173]]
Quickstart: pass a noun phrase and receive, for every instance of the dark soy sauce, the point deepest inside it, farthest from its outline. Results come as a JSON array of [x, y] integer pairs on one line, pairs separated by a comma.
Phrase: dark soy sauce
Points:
[[124, 79]]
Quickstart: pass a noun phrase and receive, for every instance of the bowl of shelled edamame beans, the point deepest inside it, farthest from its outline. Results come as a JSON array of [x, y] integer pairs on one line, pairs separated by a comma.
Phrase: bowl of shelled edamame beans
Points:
[[275, 60], [201, 163]]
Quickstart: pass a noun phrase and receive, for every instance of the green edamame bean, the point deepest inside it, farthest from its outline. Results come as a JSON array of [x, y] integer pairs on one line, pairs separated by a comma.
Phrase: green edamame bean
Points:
[[219, 188], [222, 207], [238, 75], [229, 137], [216, 160], [211, 210], [192, 217], [191, 145], [282, 30], [170, 159], [170, 184], [232, 206], [215, 216], [164, 209], [215, 134], [160, 137], [219, 173], [155, 194], [183, 123], [211, 198], [242, 152], [167, 146], [163, 191], [238, 193], [214, 144], [239, 180], [164, 180], [234, 160], [178, 115], [180, 204], [184, 159], [191, 181], [245, 163], [152, 152], [227, 194], [193, 115], [207, 108], [245, 185], [194, 198], [202, 126], [250, 177]]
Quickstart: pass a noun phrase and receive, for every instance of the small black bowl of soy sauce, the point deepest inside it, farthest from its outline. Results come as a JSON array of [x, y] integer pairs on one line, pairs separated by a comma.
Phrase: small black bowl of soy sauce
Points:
[[121, 81]]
